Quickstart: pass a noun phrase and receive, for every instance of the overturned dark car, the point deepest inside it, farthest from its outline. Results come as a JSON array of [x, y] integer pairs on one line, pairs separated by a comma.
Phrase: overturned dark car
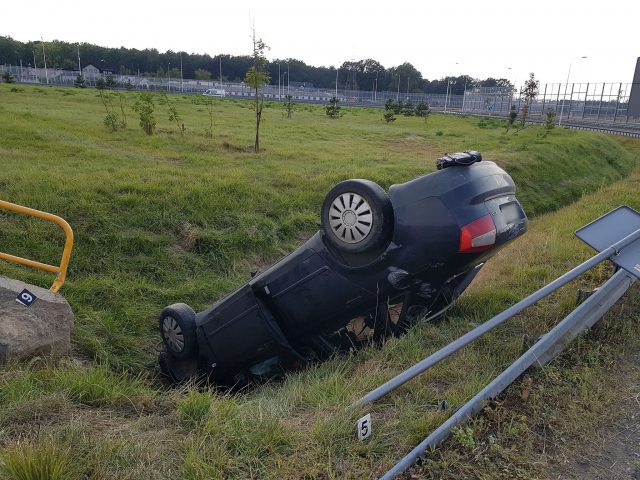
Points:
[[384, 260]]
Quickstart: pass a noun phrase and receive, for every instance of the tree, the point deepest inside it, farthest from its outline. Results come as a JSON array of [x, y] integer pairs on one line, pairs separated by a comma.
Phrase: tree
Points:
[[202, 74], [256, 78], [389, 117], [408, 110], [174, 116], [112, 120], [144, 106], [8, 78], [530, 92], [423, 110], [550, 121], [333, 109], [288, 105], [79, 82], [109, 82]]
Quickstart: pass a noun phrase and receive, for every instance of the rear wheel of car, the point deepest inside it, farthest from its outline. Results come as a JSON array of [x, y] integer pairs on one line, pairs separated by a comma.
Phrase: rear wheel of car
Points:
[[178, 330], [357, 216]]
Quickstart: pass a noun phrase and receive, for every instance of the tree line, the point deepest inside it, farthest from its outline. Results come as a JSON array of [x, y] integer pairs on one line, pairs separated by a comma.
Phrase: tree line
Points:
[[366, 74]]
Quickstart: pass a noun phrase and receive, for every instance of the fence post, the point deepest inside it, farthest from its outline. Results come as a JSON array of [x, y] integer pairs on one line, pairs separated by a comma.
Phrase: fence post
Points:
[[615, 112], [544, 97], [586, 99], [570, 101], [601, 97]]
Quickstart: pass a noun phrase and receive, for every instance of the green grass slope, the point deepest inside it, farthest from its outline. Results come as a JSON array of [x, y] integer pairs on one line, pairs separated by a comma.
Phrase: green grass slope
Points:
[[169, 218]]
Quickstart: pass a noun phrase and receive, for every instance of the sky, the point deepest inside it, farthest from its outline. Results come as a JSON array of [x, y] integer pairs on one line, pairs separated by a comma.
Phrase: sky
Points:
[[504, 39]]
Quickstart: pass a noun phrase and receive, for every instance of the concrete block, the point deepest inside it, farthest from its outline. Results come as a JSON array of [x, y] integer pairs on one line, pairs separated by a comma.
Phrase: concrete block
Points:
[[28, 329]]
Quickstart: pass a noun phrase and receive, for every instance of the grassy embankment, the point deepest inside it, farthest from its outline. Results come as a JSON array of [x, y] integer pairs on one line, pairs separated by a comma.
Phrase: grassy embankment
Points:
[[169, 218]]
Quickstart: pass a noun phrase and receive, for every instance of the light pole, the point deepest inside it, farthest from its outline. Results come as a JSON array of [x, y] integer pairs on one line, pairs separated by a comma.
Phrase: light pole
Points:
[[283, 74], [279, 96], [398, 94], [169, 74], [46, 73], [565, 87], [337, 70], [446, 97], [79, 68], [181, 89], [375, 89]]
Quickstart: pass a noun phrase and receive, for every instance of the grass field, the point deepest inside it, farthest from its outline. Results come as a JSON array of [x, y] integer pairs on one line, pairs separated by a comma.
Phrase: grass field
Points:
[[169, 218]]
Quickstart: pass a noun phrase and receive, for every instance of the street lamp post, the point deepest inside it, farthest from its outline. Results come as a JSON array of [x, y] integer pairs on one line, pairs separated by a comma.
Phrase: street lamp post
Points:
[[398, 94], [44, 57], [279, 91], [283, 74], [35, 66], [375, 89], [565, 88], [169, 74], [446, 97]]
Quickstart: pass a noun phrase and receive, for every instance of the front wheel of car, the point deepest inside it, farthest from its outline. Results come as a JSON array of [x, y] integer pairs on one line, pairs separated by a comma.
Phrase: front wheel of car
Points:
[[178, 330], [357, 216]]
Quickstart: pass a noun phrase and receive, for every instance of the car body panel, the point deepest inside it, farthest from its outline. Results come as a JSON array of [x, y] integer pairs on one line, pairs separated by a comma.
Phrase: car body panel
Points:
[[317, 289]]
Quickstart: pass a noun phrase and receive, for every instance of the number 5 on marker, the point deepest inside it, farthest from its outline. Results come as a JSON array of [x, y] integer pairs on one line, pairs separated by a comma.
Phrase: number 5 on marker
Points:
[[363, 427]]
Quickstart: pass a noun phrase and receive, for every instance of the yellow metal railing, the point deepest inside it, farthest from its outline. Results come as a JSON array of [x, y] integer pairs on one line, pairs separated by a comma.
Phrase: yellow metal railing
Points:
[[61, 271]]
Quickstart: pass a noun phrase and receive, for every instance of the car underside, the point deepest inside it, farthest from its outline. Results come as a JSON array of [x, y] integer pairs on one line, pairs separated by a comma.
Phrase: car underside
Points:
[[380, 263]]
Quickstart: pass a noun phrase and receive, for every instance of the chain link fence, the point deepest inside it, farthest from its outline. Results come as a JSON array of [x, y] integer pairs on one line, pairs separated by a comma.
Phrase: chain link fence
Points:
[[575, 104]]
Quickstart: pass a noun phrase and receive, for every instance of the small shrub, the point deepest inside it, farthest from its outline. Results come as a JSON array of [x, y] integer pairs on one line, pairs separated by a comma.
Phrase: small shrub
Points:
[[110, 82], [408, 110], [111, 121], [465, 437], [8, 78], [439, 133], [550, 120], [144, 106], [174, 116], [397, 107], [333, 110], [423, 110], [288, 106], [79, 82], [389, 117]]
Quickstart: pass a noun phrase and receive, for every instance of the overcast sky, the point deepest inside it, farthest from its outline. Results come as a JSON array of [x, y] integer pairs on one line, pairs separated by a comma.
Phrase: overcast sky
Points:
[[481, 38]]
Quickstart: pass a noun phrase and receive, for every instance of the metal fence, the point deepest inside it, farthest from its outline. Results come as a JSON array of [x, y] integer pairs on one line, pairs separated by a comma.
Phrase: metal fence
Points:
[[577, 104]]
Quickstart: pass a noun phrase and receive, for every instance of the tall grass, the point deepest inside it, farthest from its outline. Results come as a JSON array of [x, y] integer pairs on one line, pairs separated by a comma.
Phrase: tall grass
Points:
[[168, 218]]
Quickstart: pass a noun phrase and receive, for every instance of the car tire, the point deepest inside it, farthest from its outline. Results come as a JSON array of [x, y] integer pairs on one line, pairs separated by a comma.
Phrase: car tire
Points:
[[357, 216], [178, 330]]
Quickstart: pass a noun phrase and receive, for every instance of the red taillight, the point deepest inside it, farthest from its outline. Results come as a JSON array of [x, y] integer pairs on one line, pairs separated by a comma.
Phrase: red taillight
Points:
[[477, 236]]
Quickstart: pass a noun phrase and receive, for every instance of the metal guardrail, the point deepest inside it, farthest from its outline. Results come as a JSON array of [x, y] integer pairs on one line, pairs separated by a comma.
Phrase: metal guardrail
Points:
[[61, 270], [541, 353], [616, 235]]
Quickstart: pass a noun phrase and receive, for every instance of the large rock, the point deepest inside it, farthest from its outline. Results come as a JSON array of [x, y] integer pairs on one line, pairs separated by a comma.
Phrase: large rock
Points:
[[44, 327]]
